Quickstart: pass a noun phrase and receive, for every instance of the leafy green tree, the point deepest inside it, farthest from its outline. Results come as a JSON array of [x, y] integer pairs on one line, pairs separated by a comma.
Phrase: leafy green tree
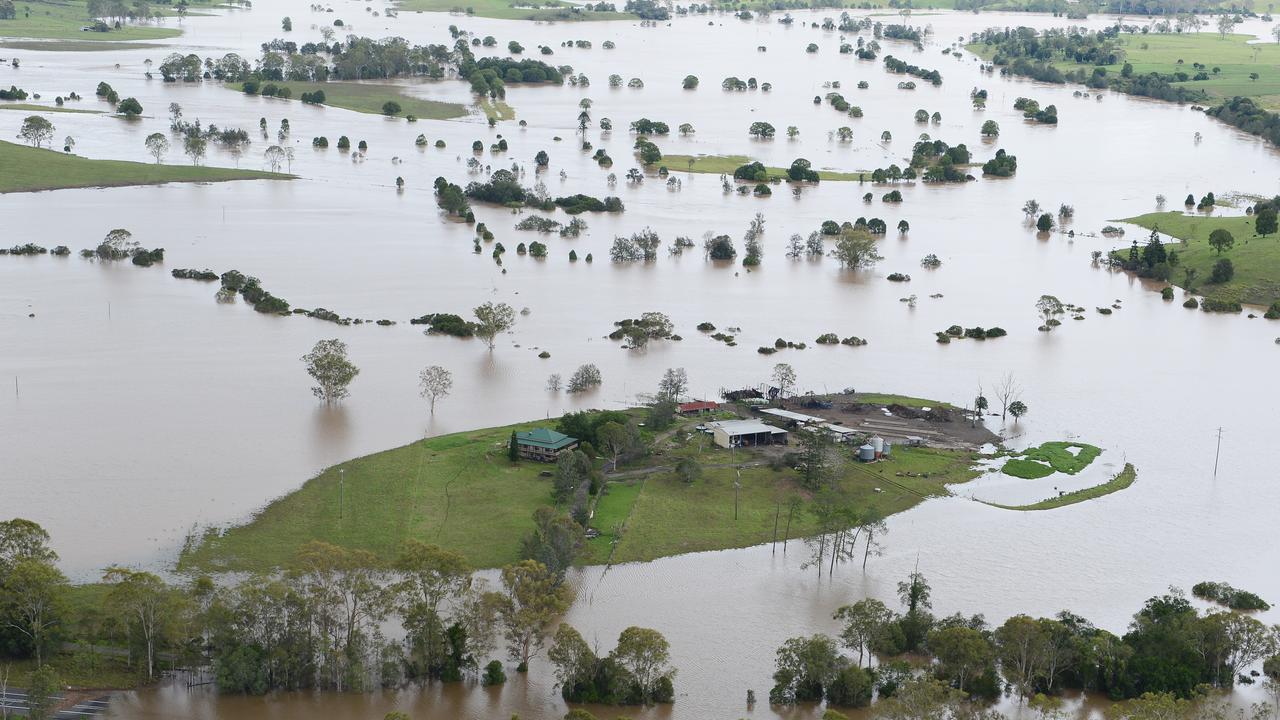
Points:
[[761, 130], [129, 107], [493, 319], [23, 540], [688, 470], [1044, 223], [1264, 221], [690, 82], [864, 622], [145, 605], [1017, 409], [1221, 240], [32, 599], [962, 653], [646, 655], [195, 147], [1049, 307], [36, 131], [990, 129], [804, 668], [328, 365], [1223, 270], [856, 249], [42, 691], [532, 598], [157, 145], [431, 577]]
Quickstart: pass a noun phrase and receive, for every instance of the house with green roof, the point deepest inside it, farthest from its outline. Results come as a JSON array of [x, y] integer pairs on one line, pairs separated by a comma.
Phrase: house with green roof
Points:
[[543, 444]]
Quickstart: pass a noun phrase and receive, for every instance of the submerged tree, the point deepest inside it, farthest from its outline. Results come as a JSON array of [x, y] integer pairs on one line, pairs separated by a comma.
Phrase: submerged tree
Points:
[[434, 383], [328, 365], [492, 319]]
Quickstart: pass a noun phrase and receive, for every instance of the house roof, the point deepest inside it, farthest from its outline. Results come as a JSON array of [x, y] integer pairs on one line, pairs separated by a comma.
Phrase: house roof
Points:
[[698, 405], [545, 438], [735, 428]]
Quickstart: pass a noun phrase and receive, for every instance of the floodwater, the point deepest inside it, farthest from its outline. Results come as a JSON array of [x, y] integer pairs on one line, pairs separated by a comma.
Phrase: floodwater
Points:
[[141, 410]]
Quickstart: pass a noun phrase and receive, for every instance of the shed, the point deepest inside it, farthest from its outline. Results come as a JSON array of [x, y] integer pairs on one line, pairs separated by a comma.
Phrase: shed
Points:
[[746, 433], [543, 444], [698, 407]]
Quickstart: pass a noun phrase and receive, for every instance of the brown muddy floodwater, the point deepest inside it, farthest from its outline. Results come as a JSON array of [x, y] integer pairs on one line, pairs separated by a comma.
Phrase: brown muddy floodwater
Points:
[[141, 409]]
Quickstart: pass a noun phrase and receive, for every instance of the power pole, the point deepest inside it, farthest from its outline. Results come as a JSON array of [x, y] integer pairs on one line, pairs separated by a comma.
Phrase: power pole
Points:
[[737, 483], [1216, 453], [341, 478]]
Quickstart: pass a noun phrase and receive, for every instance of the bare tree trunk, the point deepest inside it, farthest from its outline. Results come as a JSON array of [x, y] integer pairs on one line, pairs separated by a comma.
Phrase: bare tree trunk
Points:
[[777, 510]]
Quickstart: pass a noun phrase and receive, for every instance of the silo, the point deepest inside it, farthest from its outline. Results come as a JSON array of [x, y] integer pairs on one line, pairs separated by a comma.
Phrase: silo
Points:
[[888, 448], [877, 444], [866, 453]]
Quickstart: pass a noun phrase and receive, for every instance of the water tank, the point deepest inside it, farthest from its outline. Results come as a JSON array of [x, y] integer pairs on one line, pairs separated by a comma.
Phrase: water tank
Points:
[[887, 449], [866, 453]]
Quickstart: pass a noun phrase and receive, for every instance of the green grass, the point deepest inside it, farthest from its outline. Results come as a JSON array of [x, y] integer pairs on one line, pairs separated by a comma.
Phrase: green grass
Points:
[[370, 97], [497, 110], [1061, 459], [28, 169], [45, 108], [726, 164], [79, 670], [1121, 481], [1256, 259], [670, 517], [62, 19], [457, 491], [611, 512], [460, 492], [1026, 469], [903, 400], [76, 45], [506, 10], [1232, 55]]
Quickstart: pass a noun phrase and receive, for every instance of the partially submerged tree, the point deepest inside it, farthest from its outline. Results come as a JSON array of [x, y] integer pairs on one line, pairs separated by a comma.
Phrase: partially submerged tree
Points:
[[492, 319], [328, 365], [434, 383]]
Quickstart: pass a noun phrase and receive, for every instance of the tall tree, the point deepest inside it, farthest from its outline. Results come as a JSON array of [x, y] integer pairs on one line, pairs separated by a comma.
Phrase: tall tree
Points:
[[864, 622], [31, 602], [434, 383], [531, 600], [492, 320], [145, 603], [328, 365], [646, 654], [674, 384]]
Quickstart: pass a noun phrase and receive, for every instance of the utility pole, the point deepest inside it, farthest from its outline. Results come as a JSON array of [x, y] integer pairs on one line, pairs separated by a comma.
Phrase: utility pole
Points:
[[341, 477], [737, 483], [1217, 452]]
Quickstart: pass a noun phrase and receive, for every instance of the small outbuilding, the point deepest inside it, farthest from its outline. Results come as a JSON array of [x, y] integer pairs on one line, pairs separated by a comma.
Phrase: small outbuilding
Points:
[[746, 433], [698, 407], [543, 444]]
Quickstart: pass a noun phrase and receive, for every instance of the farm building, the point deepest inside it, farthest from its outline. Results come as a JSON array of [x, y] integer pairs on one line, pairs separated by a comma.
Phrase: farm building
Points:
[[543, 444], [746, 433], [698, 407]]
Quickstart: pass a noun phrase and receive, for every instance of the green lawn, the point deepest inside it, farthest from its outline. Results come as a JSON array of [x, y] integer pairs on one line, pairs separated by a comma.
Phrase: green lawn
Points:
[[27, 169], [62, 19], [370, 97], [1232, 55], [1060, 457], [461, 492], [903, 400], [46, 108], [79, 670], [497, 109], [1256, 259], [726, 164], [1026, 469], [1121, 481], [508, 10]]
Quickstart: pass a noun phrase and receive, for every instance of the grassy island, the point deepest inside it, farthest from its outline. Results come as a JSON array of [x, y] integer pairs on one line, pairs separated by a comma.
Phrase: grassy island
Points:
[[28, 169], [462, 492], [1121, 481], [726, 164], [511, 10], [1256, 259], [368, 98]]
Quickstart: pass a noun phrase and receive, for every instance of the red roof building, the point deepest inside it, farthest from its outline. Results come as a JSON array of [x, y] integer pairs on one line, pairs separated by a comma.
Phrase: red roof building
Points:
[[698, 406]]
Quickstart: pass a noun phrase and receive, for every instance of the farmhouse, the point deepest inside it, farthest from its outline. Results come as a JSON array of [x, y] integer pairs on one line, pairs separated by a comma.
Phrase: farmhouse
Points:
[[746, 433], [543, 444]]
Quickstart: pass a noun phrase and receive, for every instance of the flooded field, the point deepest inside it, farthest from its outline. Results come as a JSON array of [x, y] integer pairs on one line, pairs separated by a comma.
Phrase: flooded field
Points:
[[141, 410]]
